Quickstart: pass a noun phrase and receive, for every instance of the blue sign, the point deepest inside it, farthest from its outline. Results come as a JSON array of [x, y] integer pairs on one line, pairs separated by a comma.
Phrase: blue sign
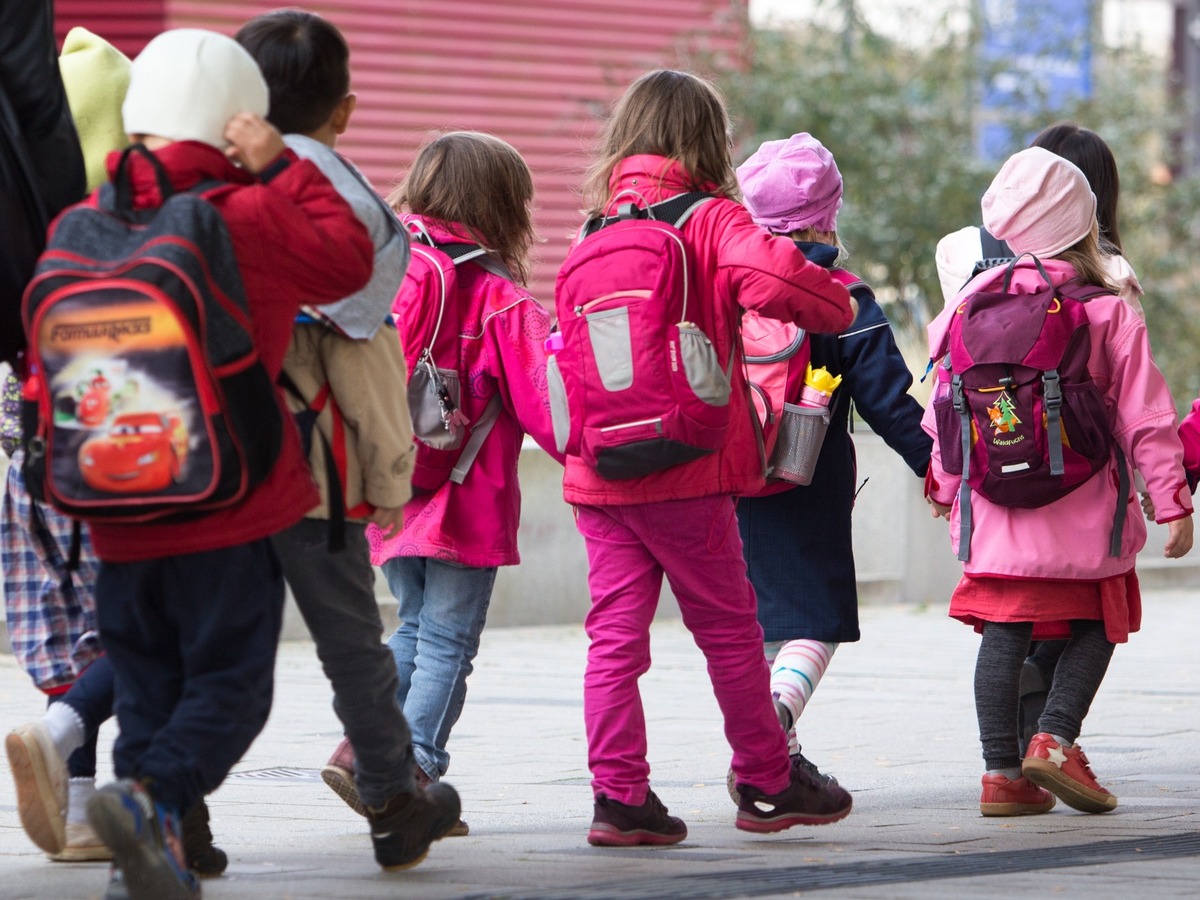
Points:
[[1035, 57]]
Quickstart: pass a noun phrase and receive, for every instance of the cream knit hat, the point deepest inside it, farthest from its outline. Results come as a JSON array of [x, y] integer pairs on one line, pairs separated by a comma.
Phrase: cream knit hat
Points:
[[1039, 203], [188, 83], [96, 76]]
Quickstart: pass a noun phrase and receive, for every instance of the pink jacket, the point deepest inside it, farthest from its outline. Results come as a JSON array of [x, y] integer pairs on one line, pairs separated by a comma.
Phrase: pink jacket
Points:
[[1069, 538], [503, 351], [742, 267]]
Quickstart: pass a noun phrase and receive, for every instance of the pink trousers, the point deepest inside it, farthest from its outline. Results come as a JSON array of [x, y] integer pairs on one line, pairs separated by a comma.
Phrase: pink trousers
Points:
[[696, 544]]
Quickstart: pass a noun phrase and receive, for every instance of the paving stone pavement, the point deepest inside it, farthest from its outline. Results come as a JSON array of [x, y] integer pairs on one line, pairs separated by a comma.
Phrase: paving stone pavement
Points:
[[893, 720]]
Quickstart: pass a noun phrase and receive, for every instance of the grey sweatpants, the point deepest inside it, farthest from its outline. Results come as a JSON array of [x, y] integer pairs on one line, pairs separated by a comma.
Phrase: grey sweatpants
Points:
[[336, 596]]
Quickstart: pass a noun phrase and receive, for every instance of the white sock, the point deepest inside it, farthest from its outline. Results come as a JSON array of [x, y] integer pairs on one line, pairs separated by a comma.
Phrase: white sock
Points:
[[65, 728], [796, 672], [79, 791], [1066, 745], [1011, 774]]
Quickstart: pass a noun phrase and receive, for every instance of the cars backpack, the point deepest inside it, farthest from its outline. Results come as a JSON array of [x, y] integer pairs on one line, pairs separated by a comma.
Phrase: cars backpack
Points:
[[1022, 423], [636, 386], [146, 398], [777, 356], [429, 321]]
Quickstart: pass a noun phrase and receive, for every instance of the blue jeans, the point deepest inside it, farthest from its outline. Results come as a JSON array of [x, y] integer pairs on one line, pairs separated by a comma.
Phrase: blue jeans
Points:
[[442, 610]]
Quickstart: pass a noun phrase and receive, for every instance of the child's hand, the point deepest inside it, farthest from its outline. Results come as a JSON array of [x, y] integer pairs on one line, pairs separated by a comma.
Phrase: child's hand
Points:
[[1179, 541], [256, 143], [1148, 507], [389, 521], [938, 510]]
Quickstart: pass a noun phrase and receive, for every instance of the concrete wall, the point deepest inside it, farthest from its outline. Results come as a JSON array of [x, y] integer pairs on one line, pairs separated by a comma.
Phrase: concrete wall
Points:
[[903, 554]]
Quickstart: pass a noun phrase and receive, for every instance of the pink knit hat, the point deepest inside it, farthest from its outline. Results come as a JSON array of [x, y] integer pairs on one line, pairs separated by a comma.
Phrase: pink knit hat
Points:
[[1039, 203], [792, 184]]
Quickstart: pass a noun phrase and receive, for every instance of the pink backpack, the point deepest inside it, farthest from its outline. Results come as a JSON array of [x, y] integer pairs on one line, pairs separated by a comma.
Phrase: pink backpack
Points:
[[636, 386], [1023, 423], [429, 322], [777, 356]]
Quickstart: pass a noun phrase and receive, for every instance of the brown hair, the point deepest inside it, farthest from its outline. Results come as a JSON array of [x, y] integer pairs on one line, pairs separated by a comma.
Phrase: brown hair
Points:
[[1087, 258], [480, 182], [1088, 151], [666, 113]]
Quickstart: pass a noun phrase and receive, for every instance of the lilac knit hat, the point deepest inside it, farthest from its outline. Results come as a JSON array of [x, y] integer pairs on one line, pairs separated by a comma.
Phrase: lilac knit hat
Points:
[[1039, 203], [792, 184]]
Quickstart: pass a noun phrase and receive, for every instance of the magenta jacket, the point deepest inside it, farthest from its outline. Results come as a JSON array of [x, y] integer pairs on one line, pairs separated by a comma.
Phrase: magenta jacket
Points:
[[503, 348], [738, 266], [1069, 538]]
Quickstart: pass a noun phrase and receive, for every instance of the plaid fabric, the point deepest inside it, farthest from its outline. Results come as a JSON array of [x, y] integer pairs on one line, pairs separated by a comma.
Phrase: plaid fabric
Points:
[[48, 609]]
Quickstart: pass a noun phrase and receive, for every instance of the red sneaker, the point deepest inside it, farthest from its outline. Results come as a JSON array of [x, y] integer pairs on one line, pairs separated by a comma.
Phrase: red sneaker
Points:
[[1064, 771], [1003, 796], [339, 775]]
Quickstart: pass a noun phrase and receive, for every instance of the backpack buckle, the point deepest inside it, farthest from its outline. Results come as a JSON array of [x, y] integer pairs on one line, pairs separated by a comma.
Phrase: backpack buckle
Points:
[[1052, 389]]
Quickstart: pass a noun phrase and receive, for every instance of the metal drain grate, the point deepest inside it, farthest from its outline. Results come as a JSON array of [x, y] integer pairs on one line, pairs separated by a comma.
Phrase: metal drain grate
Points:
[[280, 775], [799, 879]]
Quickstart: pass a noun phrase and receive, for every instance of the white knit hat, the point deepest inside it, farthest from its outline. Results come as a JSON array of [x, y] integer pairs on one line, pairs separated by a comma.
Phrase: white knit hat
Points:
[[188, 83], [1039, 203]]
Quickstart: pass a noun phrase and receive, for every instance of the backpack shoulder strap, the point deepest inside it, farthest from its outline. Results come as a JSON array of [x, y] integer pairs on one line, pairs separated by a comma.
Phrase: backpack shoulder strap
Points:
[[676, 211], [479, 432]]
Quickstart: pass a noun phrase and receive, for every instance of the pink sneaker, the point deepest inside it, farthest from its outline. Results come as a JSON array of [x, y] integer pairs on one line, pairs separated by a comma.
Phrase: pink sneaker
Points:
[[1064, 771], [1003, 796]]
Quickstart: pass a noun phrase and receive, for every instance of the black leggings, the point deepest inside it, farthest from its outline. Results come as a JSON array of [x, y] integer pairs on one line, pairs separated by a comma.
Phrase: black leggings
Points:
[[1002, 652]]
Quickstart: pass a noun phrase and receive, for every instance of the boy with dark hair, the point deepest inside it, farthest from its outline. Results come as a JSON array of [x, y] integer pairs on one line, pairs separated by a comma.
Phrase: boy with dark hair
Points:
[[345, 360]]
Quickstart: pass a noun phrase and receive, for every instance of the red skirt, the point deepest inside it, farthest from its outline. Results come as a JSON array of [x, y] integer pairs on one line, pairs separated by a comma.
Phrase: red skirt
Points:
[[1051, 605]]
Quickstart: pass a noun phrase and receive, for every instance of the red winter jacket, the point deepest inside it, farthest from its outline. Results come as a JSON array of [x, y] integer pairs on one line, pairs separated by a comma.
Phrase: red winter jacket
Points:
[[737, 265], [296, 241]]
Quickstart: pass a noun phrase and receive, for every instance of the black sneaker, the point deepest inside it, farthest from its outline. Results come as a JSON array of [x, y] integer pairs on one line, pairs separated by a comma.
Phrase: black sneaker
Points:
[[203, 857], [616, 824], [407, 824], [144, 839], [806, 801]]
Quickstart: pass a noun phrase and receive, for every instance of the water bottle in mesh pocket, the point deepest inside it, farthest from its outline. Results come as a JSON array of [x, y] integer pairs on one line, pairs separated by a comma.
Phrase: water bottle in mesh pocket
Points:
[[801, 434]]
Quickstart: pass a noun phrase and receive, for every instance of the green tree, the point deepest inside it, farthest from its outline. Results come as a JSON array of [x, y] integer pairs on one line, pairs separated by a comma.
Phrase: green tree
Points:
[[900, 119]]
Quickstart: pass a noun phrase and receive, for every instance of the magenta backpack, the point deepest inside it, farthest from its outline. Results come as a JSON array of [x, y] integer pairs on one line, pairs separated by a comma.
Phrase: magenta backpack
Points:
[[1023, 422], [636, 386], [429, 322]]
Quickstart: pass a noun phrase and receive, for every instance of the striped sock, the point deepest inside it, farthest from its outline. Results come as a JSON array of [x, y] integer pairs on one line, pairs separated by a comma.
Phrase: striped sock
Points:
[[795, 674]]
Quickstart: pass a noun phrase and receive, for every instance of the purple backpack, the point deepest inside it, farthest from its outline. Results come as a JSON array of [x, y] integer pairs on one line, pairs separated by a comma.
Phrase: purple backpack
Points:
[[636, 386], [1023, 423]]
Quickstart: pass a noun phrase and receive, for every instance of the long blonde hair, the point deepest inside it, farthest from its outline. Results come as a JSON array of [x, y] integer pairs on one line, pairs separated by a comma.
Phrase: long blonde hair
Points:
[[478, 181], [1088, 260], [672, 114]]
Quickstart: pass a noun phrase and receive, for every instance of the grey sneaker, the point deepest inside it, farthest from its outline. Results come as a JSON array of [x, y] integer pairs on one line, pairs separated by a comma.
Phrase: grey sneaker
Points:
[[144, 838]]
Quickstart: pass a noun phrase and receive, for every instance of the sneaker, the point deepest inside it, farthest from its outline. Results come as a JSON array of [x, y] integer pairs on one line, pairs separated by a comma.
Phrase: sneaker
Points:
[[339, 775], [460, 828], [799, 760], [404, 827], [1065, 772], [616, 824], [1032, 703], [41, 781], [1003, 796], [144, 838], [82, 845], [203, 857], [806, 801]]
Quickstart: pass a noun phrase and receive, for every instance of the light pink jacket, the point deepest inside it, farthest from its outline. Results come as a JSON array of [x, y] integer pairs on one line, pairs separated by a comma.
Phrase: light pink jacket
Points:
[[503, 351], [738, 265], [1069, 538]]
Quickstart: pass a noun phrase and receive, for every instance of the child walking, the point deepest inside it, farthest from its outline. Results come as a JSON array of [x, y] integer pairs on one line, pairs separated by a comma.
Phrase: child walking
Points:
[[669, 135], [342, 367], [465, 187], [797, 539], [1023, 570]]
